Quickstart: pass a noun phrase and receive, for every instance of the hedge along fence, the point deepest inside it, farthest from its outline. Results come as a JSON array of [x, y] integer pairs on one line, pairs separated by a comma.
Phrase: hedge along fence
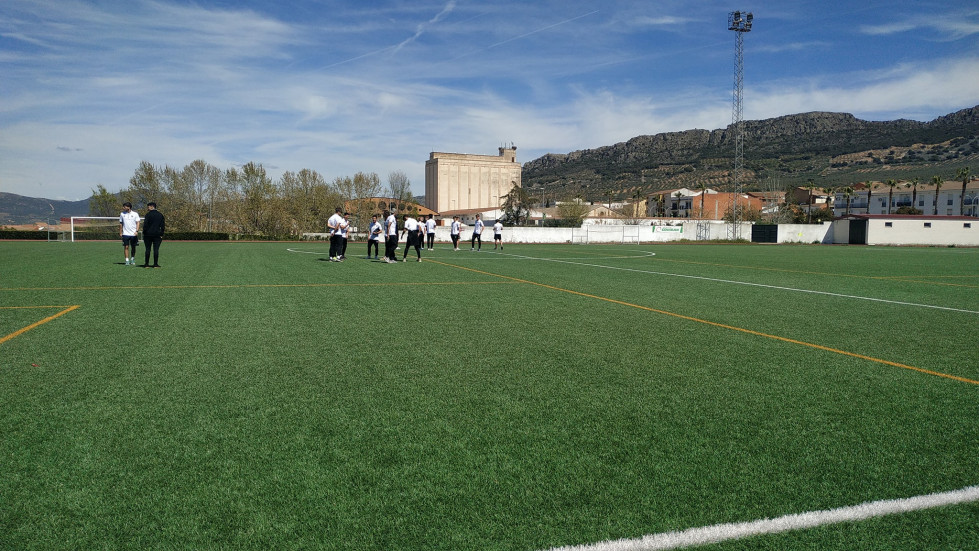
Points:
[[113, 235], [32, 235]]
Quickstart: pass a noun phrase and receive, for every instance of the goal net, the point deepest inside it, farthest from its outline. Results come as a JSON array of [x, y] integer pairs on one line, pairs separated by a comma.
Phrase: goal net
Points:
[[596, 233], [93, 228]]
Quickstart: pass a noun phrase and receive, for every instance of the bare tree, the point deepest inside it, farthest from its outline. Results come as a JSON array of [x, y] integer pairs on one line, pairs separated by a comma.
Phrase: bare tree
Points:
[[572, 211], [365, 186], [516, 206], [202, 180], [308, 201], [399, 187]]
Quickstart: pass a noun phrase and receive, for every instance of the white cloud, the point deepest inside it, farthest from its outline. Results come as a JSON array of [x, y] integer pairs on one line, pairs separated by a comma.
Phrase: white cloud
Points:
[[91, 91], [420, 29], [948, 85], [947, 27]]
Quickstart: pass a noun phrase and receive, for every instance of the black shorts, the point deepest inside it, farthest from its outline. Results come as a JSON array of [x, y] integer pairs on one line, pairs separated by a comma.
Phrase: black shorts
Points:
[[497, 237], [130, 240]]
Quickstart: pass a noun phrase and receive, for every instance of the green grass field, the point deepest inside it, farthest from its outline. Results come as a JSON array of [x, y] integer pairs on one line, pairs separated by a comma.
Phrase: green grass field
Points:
[[255, 396]]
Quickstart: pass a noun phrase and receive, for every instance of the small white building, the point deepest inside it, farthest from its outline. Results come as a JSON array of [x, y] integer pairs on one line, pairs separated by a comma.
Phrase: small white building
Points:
[[906, 229]]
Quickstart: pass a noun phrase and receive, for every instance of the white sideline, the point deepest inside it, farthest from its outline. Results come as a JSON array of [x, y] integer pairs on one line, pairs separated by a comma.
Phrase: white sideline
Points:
[[747, 283], [724, 532]]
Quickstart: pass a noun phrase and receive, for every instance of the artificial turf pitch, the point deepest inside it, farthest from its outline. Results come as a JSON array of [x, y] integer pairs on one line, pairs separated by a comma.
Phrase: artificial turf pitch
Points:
[[257, 396]]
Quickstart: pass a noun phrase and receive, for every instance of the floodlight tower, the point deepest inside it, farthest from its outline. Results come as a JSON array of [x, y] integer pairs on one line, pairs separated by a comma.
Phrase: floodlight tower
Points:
[[740, 23]]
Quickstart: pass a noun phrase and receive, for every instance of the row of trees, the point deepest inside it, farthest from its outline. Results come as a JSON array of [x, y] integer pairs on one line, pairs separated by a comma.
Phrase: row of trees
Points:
[[202, 198]]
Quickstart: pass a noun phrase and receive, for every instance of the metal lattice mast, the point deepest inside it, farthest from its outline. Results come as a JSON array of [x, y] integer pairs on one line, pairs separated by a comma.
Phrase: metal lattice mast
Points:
[[740, 23]]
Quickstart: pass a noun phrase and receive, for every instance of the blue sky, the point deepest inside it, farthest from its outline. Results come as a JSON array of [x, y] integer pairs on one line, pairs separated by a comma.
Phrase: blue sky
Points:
[[88, 89]]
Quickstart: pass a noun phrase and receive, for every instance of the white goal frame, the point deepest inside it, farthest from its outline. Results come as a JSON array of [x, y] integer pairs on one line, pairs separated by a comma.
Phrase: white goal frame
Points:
[[82, 218], [606, 233]]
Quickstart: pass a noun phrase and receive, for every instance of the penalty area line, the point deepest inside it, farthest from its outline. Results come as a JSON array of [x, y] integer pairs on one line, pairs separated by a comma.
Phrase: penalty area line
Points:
[[800, 521]]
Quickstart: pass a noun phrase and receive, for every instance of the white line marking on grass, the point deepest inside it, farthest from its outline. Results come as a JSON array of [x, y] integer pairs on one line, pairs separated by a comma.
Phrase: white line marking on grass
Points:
[[483, 255], [750, 284], [737, 530]]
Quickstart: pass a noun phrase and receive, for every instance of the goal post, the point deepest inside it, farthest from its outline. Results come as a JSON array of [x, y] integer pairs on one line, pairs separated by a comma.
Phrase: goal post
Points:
[[93, 228], [601, 233]]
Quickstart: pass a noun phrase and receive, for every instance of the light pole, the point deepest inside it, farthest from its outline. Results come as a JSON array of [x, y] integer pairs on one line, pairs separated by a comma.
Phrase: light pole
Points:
[[740, 23]]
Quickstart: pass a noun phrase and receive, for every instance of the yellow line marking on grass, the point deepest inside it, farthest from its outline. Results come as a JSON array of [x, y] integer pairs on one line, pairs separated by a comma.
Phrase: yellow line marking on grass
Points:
[[747, 283], [39, 323], [885, 278], [256, 286], [29, 307], [724, 326]]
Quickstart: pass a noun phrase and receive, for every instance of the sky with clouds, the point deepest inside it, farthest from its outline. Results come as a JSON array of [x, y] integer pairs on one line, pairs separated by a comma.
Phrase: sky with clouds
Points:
[[89, 88]]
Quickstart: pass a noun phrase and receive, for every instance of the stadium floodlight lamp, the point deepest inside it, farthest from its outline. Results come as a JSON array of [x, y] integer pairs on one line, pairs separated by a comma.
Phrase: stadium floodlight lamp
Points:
[[739, 21]]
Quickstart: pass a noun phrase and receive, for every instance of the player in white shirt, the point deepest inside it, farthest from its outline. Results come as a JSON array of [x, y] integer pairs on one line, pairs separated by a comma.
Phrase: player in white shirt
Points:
[[430, 226], [336, 239], [129, 231], [390, 237], [477, 238], [454, 230], [344, 230], [374, 233], [498, 235], [414, 238]]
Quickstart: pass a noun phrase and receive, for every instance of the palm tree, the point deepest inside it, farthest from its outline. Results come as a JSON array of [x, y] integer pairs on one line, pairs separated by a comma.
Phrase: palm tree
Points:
[[703, 195], [870, 191], [914, 192], [676, 210], [963, 174], [938, 181], [810, 185], [848, 193], [890, 195], [830, 197]]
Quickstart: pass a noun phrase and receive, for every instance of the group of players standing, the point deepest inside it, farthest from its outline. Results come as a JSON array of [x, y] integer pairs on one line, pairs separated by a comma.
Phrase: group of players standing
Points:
[[416, 231]]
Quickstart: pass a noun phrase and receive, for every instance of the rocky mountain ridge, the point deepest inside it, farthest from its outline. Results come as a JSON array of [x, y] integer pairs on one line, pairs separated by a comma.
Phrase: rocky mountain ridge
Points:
[[792, 147]]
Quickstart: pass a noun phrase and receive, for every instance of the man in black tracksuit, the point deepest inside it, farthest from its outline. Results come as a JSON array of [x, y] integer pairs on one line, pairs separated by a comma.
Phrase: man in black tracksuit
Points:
[[154, 224]]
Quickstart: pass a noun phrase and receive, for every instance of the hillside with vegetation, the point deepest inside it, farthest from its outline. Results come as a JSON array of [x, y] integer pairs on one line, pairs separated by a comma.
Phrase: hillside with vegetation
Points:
[[831, 149], [17, 209]]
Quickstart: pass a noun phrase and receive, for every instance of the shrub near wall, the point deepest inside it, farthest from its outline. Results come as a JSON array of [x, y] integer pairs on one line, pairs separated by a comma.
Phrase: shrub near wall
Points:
[[197, 236]]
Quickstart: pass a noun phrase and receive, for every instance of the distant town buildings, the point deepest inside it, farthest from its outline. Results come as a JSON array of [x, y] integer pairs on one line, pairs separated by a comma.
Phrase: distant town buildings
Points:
[[463, 182], [707, 204], [927, 198]]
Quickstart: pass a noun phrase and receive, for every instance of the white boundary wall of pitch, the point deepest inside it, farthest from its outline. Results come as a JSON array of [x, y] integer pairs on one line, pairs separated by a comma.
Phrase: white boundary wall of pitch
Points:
[[635, 234], [941, 233]]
